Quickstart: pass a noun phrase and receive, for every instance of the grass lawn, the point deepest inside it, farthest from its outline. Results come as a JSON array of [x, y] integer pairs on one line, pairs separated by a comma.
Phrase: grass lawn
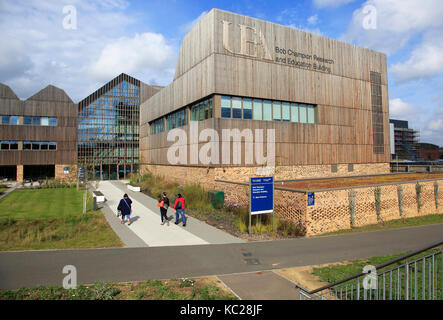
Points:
[[208, 288], [334, 273], [395, 224], [52, 219]]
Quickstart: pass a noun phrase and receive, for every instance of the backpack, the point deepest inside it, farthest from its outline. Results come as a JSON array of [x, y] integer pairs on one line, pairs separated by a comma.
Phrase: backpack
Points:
[[179, 205]]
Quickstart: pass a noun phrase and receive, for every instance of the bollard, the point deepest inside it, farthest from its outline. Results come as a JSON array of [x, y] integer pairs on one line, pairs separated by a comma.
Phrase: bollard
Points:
[[95, 203]]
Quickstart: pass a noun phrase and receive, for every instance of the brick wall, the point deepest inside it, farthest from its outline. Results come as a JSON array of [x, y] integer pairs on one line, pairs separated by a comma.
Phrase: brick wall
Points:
[[332, 210], [60, 175], [206, 176]]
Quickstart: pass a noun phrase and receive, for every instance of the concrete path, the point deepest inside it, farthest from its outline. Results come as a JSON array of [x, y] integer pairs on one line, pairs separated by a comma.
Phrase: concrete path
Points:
[[266, 285], [146, 221], [44, 267]]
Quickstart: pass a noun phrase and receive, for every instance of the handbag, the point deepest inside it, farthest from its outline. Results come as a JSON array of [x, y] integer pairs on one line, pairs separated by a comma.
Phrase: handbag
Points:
[[160, 204]]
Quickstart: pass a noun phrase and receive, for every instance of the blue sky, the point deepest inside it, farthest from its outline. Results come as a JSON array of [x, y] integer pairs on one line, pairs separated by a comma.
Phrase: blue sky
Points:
[[142, 38]]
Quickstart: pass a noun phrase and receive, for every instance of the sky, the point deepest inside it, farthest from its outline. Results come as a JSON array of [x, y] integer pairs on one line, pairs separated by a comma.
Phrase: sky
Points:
[[80, 45]]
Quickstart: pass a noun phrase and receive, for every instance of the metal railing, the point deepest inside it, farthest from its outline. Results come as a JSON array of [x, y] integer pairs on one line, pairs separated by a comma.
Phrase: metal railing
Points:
[[420, 278]]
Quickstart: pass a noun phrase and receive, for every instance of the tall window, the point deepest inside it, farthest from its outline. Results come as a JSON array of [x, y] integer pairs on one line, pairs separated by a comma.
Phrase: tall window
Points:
[[225, 107], [311, 114], [303, 115], [377, 113], [258, 109], [247, 108], [286, 111], [276, 105], [294, 112], [267, 110], [236, 107]]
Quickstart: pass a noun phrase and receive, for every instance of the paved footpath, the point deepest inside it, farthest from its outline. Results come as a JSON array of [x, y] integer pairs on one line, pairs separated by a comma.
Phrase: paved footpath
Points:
[[146, 222], [44, 267]]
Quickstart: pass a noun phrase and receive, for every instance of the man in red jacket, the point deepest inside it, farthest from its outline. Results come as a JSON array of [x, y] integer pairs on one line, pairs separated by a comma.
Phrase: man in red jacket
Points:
[[179, 207]]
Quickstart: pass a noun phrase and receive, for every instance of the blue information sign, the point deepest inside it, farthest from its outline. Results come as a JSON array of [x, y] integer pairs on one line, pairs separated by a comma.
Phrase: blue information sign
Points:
[[262, 195], [311, 198]]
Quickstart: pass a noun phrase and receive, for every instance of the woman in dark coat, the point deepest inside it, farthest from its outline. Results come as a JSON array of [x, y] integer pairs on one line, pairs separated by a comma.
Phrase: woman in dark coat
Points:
[[164, 208], [125, 208]]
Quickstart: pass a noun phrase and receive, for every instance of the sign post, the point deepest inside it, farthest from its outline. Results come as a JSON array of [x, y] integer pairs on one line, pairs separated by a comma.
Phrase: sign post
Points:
[[261, 198]]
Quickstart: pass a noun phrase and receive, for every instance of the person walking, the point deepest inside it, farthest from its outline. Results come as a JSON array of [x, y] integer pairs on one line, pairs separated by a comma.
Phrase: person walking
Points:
[[179, 207], [125, 208], [163, 203]]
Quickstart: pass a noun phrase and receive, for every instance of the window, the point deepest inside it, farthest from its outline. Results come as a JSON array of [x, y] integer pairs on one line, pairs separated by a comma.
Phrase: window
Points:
[[52, 145], [258, 109], [247, 108], [35, 145], [53, 122], [5, 119], [236, 107], [286, 111], [276, 110], [14, 120], [13, 145], [36, 121], [302, 109], [44, 145], [311, 114], [294, 112], [177, 119], [157, 126], [27, 120], [267, 110], [45, 121], [225, 107], [202, 110], [26, 145], [5, 145]]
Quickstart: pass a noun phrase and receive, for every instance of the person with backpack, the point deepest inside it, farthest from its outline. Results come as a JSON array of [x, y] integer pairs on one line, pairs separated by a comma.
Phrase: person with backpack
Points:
[[179, 207], [163, 203], [125, 208]]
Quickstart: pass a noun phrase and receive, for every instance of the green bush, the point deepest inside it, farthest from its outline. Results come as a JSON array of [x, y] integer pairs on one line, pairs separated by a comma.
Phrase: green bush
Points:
[[103, 291]]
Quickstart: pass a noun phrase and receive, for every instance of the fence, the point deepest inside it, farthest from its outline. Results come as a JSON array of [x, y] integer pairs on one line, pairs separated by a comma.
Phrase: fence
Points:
[[418, 279]]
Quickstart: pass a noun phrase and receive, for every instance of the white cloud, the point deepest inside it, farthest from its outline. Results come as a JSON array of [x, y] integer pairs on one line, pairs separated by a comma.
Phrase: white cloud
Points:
[[396, 22], [41, 52], [436, 124], [330, 3], [144, 53], [313, 19], [398, 109], [426, 60]]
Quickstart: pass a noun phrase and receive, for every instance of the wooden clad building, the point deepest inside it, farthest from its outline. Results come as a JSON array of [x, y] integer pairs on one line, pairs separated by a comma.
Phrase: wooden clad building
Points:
[[38, 135], [326, 100]]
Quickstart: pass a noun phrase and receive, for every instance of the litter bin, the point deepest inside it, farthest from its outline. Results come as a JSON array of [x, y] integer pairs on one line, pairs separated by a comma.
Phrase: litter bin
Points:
[[217, 199]]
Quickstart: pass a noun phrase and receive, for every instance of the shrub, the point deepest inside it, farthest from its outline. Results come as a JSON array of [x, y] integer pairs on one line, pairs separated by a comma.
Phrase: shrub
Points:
[[103, 291]]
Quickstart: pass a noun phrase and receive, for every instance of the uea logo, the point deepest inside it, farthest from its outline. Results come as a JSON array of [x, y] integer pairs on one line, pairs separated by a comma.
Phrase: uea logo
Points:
[[252, 42]]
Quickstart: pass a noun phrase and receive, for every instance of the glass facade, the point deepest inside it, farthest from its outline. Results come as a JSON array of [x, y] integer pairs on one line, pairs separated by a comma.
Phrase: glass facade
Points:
[[108, 129], [177, 119], [258, 109], [202, 110]]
